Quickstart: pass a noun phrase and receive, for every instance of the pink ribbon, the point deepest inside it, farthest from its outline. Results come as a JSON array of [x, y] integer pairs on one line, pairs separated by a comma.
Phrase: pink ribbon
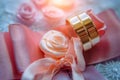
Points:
[[18, 58]]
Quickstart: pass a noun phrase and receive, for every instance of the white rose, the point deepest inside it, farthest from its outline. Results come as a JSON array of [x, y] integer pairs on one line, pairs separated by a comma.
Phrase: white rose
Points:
[[54, 44]]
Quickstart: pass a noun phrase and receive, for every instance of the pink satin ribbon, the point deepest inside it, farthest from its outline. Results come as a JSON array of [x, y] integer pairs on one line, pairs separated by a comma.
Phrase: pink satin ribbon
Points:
[[46, 68], [21, 57]]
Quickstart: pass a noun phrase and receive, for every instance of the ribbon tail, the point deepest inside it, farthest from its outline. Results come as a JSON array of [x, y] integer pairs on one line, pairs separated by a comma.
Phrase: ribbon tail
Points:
[[76, 73], [79, 54], [39, 70]]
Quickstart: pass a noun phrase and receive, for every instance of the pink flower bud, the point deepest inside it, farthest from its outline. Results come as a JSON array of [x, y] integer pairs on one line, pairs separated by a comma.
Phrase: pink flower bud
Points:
[[26, 13]]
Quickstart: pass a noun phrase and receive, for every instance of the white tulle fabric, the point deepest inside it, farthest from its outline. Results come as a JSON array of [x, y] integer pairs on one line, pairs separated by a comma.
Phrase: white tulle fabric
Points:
[[46, 68]]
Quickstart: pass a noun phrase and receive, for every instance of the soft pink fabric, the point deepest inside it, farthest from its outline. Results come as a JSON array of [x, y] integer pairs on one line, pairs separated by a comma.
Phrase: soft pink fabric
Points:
[[109, 46], [22, 46], [6, 70], [40, 3], [92, 74], [19, 47], [47, 67]]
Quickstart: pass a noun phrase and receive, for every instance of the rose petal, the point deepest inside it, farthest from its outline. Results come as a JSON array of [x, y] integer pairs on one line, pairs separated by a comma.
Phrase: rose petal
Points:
[[54, 44]]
